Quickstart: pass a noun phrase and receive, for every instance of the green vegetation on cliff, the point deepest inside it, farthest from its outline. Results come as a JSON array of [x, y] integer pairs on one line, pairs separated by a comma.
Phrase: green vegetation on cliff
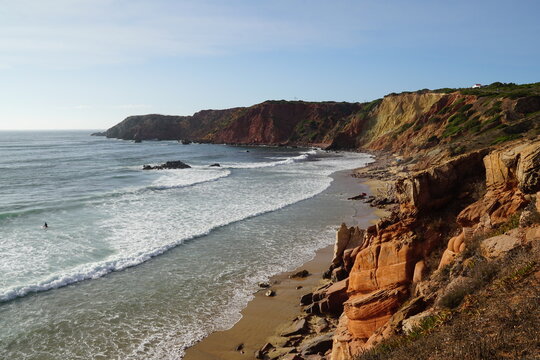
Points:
[[459, 119]]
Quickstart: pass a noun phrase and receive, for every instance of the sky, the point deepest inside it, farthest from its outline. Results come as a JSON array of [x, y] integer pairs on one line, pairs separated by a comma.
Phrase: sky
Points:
[[88, 64]]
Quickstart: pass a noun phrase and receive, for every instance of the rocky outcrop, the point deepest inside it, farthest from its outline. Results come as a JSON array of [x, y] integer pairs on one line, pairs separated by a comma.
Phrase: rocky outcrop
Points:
[[515, 166], [435, 187], [456, 245], [511, 174], [397, 110], [168, 165], [278, 122], [497, 245], [346, 239], [271, 122], [392, 256], [527, 104], [425, 125]]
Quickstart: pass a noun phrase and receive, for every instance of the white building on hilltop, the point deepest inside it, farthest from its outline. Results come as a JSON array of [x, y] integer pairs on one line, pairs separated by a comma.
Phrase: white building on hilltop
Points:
[[476, 86]]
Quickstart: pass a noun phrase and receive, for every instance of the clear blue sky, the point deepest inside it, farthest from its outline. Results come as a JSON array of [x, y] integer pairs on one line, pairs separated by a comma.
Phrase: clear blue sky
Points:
[[87, 64]]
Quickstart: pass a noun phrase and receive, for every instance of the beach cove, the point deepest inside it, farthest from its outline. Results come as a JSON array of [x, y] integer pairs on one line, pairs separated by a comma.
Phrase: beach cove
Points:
[[176, 294]]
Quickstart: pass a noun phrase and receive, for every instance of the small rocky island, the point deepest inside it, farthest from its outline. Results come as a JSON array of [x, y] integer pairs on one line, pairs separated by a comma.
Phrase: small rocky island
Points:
[[168, 165]]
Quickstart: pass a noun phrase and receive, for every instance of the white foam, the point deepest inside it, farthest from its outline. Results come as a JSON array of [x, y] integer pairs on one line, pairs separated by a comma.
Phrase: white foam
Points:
[[171, 179], [139, 226], [282, 161]]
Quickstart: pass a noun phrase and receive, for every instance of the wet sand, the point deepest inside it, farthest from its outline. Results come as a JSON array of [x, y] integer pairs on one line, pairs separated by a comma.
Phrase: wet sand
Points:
[[265, 316]]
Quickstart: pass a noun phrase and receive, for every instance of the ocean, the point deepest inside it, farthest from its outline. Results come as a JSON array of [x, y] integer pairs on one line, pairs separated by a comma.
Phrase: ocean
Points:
[[142, 264]]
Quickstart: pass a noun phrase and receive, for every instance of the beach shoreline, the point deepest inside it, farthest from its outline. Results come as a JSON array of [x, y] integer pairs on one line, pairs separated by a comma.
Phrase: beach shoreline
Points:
[[265, 317]]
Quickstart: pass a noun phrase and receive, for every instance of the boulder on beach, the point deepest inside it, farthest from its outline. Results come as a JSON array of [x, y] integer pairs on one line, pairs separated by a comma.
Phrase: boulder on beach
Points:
[[300, 274]]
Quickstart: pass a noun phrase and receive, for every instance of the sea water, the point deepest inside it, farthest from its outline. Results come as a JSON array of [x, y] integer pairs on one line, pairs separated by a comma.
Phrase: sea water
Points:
[[141, 264]]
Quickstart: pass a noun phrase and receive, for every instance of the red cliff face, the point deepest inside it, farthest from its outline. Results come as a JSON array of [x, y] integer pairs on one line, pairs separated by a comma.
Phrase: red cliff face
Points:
[[271, 122], [407, 123], [277, 122]]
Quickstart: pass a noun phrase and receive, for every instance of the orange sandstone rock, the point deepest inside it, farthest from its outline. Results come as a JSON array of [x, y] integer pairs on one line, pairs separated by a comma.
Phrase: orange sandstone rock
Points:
[[419, 271]]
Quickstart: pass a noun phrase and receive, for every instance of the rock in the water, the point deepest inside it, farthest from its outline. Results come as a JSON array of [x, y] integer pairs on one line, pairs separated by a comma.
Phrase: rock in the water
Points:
[[301, 274], [270, 293], [264, 285], [168, 165], [215, 165]]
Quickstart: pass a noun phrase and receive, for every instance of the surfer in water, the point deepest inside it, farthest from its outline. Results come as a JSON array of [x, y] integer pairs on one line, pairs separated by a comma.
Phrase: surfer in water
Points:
[[45, 226]]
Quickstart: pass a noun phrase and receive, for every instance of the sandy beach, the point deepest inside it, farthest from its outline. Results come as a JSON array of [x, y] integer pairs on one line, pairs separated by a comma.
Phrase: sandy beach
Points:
[[265, 317]]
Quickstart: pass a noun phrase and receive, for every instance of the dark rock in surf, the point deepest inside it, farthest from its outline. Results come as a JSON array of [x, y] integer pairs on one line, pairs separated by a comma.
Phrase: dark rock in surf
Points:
[[215, 165], [168, 165]]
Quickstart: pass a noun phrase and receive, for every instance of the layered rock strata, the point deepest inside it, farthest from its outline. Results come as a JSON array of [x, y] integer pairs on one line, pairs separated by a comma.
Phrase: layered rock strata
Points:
[[392, 256]]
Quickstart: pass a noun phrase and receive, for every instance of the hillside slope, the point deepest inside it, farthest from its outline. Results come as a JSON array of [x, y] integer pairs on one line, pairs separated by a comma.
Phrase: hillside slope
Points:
[[452, 121]]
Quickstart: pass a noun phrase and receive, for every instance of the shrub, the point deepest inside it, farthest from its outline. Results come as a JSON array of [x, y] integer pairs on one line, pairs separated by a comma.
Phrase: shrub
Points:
[[404, 127], [457, 118], [444, 110], [371, 105], [519, 128], [458, 103], [457, 150], [451, 130], [516, 94], [444, 90], [464, 108], [511, 223], [453, 298], [505, 138], [481, 273]]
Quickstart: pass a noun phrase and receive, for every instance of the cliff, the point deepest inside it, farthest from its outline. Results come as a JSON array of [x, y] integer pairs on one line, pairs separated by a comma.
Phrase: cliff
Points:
[[464, 223], [462, 238], [457, 256], [450, 121], [271, 122]]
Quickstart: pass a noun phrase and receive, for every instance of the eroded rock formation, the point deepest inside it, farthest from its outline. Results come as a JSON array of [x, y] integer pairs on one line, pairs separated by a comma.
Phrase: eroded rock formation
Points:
[[392, 256]]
